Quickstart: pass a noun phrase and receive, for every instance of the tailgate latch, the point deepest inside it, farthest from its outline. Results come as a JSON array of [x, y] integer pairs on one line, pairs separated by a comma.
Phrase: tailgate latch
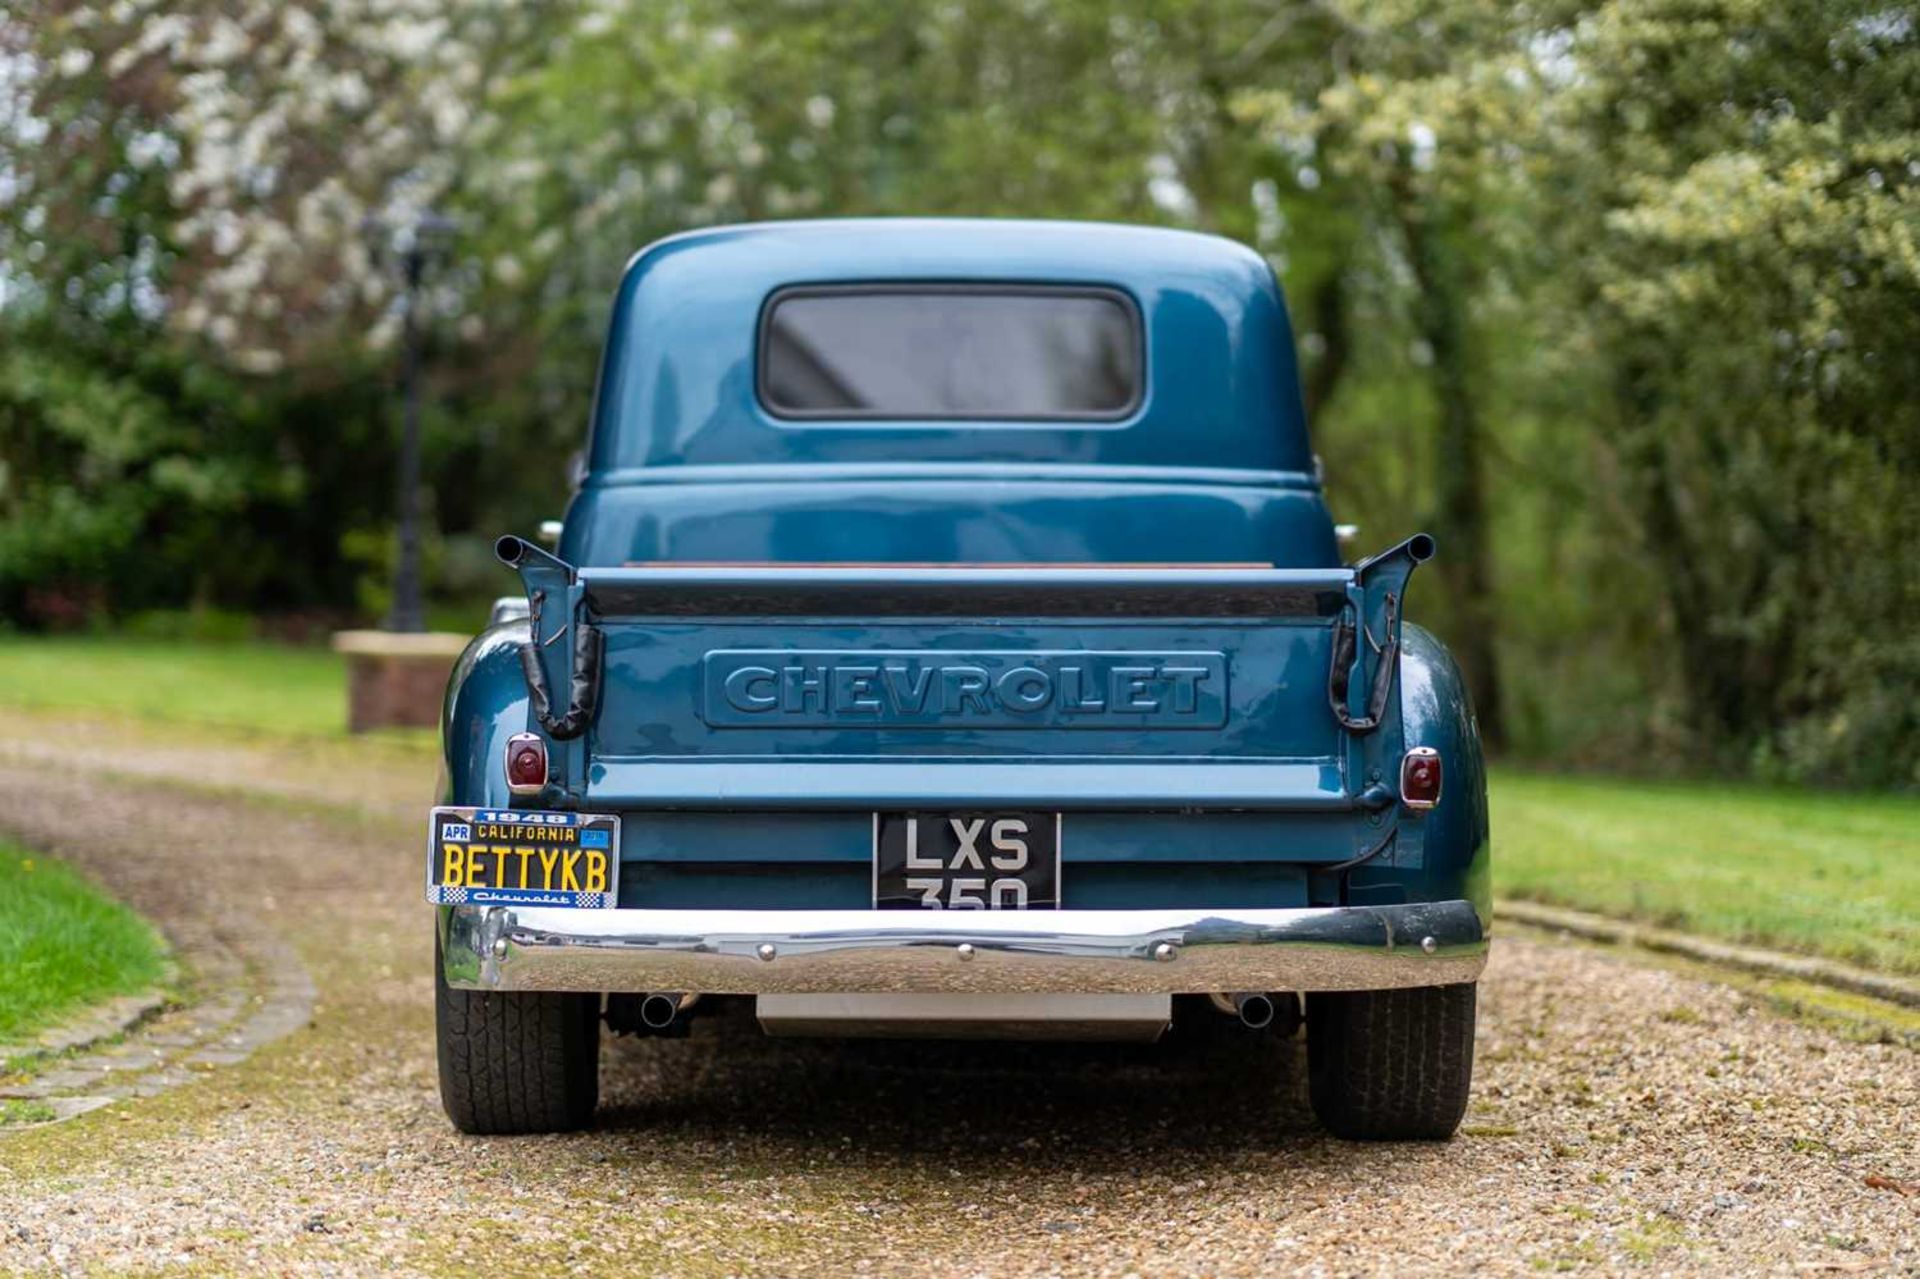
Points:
[[1345, 646]]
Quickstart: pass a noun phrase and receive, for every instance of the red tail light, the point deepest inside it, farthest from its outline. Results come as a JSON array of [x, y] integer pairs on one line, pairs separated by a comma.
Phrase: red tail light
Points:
[[526, 764], [1420, 778]]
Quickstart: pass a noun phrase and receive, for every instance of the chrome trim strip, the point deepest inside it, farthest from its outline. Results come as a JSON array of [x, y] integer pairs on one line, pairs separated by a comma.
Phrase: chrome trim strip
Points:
[[733, 783], [749, 952], [1000, 472]]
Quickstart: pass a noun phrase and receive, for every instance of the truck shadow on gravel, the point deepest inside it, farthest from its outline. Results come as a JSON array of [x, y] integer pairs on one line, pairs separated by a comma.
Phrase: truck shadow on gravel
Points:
[[1201, 1087]]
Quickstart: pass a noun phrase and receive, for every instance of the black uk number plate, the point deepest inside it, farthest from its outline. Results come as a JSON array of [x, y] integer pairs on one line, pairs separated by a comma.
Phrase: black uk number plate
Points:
[[966, 861]]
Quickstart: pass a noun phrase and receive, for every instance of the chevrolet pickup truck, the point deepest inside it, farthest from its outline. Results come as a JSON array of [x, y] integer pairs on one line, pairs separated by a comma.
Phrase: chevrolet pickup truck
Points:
[[948, 636]]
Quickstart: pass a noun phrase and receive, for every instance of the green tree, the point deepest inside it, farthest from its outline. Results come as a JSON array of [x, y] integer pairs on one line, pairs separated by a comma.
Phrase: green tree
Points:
[[1742, 238], [1411, 125]]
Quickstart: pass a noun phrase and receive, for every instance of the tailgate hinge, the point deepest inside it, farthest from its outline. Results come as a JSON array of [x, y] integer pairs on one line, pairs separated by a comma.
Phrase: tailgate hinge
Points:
[[1345, 662], [543, 575], [1378, 589]]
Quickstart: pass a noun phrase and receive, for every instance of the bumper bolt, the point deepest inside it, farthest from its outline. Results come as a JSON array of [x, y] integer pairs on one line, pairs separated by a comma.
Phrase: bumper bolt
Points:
[[766, 951], [964, 950], [1165, 952], [1429, 945]]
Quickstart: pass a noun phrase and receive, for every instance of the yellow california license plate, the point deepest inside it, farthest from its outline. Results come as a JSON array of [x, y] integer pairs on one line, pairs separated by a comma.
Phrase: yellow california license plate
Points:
[[499, 857]]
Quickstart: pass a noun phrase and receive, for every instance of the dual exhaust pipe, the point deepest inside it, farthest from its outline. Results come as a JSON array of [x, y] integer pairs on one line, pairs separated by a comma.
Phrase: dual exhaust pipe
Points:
[[1261, 1010], [653, 1012], [658, 1011], [1255, 1010], [664, 1013]]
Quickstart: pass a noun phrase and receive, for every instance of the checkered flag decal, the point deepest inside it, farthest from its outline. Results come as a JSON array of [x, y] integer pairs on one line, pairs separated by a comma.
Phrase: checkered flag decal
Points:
[[444, 895]]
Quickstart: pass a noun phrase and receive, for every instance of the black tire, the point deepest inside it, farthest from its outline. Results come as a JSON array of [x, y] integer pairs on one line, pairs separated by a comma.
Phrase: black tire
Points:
[[516, 1062], [1391, 1065]]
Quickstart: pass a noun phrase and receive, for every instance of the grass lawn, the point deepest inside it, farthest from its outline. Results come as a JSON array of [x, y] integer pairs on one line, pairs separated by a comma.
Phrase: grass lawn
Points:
[[270, 687], [1820, 873], [64, 945]]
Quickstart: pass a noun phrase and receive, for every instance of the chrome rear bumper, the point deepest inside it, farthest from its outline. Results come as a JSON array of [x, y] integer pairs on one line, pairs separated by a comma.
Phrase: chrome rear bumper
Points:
[[750, 952]]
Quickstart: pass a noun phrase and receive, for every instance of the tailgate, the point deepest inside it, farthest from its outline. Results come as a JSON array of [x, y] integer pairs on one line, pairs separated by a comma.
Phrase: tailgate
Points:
[[1098, 688]]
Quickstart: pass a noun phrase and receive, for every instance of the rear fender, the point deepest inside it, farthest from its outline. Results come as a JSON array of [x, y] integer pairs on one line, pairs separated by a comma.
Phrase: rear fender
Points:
[[1443, 854], [486, 704]]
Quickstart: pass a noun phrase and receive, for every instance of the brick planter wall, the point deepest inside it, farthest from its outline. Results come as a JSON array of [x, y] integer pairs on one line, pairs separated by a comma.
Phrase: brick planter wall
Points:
[[396, 680]]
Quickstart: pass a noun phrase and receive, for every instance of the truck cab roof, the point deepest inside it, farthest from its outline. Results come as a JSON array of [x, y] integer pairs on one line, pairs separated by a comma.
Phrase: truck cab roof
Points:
[[866, 360], [679, 381]]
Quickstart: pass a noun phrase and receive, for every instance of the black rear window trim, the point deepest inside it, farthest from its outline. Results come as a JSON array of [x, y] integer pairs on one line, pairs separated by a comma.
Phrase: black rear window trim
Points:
[[1128, 306]]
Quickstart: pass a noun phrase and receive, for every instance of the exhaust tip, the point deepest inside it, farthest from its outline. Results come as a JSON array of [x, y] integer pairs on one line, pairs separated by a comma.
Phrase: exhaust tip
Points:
[[510, 550], [1420, 547], [657, 1011], [1256, 1010]]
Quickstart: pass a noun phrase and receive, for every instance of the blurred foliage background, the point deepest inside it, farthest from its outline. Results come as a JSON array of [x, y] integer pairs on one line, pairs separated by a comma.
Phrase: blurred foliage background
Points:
[[1621, 300]]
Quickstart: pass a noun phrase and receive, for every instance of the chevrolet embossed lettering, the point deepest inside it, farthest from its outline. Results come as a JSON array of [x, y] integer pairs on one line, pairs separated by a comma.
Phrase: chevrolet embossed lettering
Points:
[[925, 689]]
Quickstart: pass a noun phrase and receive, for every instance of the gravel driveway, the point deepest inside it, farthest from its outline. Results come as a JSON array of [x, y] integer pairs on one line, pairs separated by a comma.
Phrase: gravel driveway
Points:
[[1625, 1117]]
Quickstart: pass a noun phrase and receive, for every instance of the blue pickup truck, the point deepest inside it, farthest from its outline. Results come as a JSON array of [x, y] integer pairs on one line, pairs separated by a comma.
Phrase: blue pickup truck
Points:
[[948, 637]]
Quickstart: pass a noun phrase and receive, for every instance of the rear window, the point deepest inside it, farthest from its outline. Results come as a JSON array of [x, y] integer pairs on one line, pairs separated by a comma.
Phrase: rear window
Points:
[[921, 351]]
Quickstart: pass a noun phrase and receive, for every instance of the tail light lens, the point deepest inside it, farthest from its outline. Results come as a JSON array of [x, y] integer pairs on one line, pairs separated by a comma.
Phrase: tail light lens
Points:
[[526, 764], [1420, 778]]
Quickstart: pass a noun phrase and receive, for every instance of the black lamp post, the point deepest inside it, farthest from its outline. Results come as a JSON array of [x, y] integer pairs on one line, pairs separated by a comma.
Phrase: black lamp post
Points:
[[416, 243]]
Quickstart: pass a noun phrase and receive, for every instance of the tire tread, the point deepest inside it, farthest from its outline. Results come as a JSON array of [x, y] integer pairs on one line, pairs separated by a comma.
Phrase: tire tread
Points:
[[516, 1062], [1391, 1065]]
